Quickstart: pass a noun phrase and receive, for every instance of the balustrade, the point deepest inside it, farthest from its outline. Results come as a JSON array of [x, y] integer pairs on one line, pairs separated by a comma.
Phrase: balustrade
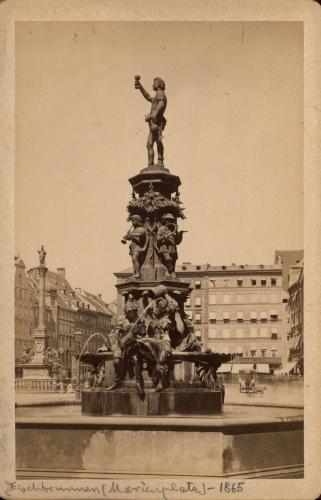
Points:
[[33, 385]]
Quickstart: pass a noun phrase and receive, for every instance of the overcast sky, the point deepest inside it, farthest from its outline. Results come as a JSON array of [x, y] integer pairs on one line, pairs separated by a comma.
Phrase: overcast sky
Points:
[[234, 136]]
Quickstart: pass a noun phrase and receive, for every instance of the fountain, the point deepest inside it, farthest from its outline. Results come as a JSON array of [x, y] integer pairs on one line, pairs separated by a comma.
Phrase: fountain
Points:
[[146, 423], [153, 333]]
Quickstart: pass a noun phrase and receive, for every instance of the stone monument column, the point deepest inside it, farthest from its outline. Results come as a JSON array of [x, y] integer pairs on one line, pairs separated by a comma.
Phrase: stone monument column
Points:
[[37, 370], [40, 334]]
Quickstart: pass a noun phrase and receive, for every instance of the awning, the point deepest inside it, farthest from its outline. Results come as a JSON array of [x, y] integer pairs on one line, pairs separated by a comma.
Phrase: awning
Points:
[[236, 368], [212, 315], [291, 342], [224, 368], [294, 341], [253, 315], [226, 315], [239, 315], [297, 340], [287, 368], [262, 368], [263, 315]]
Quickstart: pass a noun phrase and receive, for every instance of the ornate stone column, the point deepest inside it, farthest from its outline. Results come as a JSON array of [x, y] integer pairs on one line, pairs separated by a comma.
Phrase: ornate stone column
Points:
[[40, 333]]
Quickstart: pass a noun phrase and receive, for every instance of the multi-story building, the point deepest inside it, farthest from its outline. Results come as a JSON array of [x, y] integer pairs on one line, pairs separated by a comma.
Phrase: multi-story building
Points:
[[296, 317], [67, 310], [237, 309], [25, 303], [287, 258]]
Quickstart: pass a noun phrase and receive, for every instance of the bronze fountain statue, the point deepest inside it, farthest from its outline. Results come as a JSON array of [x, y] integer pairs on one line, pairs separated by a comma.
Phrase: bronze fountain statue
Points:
[[154, 332], [155, 119]]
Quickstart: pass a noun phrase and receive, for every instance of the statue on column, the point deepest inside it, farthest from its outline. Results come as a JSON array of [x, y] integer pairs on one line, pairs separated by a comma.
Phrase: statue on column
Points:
[[155, 119], [42, 255], [167, 238], [137, 236]]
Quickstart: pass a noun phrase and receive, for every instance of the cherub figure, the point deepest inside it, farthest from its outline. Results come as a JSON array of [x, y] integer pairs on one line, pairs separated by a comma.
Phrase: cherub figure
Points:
[[137, 236]]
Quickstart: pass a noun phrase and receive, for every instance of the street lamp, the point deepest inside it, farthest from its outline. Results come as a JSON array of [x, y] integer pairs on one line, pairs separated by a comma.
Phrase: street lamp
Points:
[[78, 337], [253, 353]]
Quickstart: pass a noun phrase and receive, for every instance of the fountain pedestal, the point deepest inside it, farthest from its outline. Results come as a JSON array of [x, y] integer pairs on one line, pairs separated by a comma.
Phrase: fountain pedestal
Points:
[[173, 401]]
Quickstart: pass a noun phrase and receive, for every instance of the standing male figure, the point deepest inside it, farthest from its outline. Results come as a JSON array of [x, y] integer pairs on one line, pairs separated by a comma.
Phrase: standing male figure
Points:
[[155, 119]]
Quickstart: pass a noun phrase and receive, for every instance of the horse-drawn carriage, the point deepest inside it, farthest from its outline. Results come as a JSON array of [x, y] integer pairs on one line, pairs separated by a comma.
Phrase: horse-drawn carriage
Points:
[[248, 382]]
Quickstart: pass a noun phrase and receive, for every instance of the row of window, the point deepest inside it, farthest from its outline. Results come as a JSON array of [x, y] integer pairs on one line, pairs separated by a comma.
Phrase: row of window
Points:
[[100, 320], [261, 298], [244, 282], [66, 314], [23, 294], [239, 317], [240, 282], [23, 328], [226, 333]]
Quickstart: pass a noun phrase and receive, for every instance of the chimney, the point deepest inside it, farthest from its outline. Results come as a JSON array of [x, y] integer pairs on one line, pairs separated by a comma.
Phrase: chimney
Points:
[[99, 296], [61, 271]]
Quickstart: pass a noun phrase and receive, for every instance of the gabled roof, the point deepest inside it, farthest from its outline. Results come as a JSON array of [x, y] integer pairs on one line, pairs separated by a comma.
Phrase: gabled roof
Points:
[[19, 262]]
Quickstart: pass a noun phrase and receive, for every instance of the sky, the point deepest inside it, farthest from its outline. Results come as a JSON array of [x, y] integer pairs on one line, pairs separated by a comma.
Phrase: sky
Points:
[[234, 135]]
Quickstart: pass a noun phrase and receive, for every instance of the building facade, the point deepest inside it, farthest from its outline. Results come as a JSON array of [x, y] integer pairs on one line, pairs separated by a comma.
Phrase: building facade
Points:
[[287, 259], [238, 310], [25, 304], [296, 318], [67, 310]]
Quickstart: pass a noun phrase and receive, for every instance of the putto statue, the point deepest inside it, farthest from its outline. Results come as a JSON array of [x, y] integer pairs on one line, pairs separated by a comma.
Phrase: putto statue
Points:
[[167, 238], [137, 236], [42, 255], [156, 119]]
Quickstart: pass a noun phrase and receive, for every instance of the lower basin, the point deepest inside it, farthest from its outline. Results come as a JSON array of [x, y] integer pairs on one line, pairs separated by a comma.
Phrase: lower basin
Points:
[[244, 441]]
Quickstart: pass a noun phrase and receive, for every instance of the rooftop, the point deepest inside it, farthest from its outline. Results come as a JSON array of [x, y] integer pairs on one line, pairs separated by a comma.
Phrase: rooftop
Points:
[[65, 295], [208, 268]]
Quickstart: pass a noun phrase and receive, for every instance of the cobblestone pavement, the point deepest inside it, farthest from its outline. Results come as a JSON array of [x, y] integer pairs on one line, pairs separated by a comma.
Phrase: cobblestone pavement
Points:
[[273, 394], [25, 398]]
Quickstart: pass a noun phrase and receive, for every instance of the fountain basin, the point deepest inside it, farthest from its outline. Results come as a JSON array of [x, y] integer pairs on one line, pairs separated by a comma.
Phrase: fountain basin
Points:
[[245, 441]]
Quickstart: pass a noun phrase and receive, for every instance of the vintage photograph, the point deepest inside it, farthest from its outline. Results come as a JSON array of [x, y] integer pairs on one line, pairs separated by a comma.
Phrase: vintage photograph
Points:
[[159, 264]]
